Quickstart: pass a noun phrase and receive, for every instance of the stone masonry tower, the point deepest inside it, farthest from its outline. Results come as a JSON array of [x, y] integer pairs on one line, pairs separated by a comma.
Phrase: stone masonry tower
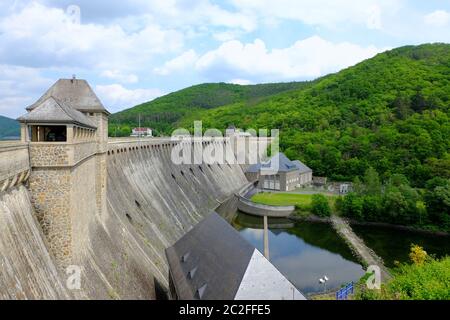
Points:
[[67, 133]]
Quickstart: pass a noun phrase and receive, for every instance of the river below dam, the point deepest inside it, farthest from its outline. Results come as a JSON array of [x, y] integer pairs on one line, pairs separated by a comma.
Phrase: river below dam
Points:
[[306, 251], [394, 245]]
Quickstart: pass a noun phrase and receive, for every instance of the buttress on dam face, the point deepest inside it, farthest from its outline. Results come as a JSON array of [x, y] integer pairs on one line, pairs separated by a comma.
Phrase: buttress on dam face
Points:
[[73, 202]]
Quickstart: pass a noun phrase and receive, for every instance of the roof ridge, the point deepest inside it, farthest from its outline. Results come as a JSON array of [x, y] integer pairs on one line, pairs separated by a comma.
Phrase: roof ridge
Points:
[[59, 103]]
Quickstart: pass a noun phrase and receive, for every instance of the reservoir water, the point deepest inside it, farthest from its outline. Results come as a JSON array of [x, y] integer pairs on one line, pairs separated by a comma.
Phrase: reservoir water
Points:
[[394, 245], [304, 252]]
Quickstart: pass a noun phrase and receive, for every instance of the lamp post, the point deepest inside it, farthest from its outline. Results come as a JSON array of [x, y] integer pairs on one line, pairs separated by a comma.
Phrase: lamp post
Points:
[[323, 281]]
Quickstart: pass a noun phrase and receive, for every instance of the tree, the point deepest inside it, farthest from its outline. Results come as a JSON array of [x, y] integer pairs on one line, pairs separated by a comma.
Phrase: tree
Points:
[[372, 182], [395, 205], [438, 204], [418, 102], [352, 206], [372, 207], [417, 255], [320, 205], [401, 106]]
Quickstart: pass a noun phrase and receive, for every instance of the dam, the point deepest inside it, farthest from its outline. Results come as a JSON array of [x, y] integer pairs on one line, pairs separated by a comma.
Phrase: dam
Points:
[[150, 203], [103, 209]]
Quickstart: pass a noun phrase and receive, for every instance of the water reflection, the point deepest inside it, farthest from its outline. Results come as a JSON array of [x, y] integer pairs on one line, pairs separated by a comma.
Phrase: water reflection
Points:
[[394, 245], [303, 252]]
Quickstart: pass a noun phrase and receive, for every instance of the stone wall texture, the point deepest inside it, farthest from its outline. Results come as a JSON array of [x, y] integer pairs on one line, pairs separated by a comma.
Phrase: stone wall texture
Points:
[[111, 215], [51, 198], [49, 154], [27, 269]]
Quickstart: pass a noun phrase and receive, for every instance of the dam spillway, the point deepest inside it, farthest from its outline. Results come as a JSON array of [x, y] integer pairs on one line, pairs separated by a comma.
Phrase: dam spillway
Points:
[[161, 200], [27, 269], [150, 203]]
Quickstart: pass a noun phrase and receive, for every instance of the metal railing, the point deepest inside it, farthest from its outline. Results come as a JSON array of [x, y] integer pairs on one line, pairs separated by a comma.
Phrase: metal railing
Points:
[[343, 293]]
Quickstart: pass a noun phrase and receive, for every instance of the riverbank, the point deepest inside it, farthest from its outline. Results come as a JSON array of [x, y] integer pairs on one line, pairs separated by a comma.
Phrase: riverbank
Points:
[[399, 227], [312, 218]]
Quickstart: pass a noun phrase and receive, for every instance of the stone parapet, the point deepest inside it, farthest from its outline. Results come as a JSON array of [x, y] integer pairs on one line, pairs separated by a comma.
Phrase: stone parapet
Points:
[[60, 154], [14, 164], [246, 205]]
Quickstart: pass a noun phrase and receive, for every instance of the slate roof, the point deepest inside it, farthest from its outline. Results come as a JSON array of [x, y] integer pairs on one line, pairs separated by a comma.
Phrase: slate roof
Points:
[[301, 166], [75, 92], [213, 262], [285, 165], [51, 110], [219, 255]]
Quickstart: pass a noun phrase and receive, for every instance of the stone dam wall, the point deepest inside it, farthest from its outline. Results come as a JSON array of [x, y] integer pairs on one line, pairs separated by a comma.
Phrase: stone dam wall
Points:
[[118, 245]]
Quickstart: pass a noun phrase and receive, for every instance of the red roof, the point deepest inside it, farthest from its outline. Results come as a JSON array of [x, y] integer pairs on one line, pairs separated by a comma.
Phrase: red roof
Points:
[[141, 129]]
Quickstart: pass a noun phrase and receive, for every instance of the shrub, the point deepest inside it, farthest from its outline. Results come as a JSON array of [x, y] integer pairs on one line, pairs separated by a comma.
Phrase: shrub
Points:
[[417, 255], [352, 206], [320, 205], [428, 280]]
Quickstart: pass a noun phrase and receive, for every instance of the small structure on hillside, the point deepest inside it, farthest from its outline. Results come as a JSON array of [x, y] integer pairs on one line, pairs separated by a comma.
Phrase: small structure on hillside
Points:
[[142, 132], [213, 262], [232, 131], [319, 181], [280, 173]]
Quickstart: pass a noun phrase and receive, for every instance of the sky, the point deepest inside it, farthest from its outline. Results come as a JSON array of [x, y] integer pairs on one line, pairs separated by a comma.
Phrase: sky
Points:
[[134, 51]]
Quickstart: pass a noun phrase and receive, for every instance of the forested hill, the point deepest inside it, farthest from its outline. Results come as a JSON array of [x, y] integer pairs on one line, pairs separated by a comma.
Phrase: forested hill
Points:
[[390, 112], [162, 113], [9, 128]]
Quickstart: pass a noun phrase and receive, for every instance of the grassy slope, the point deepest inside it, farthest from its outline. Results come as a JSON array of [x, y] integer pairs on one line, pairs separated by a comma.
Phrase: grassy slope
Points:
[[163, 113], [289, 199], [9, 128]]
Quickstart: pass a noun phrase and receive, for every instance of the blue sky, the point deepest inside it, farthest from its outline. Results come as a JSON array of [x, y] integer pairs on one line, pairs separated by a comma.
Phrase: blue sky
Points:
[[134, 51]]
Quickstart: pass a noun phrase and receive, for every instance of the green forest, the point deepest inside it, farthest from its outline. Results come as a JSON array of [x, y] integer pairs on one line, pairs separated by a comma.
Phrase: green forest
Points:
[[9, 128], [164, 113], [387, 116]]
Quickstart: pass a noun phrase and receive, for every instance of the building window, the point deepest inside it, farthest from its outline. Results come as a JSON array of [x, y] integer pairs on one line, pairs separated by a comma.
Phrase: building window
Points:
[[48, 134]]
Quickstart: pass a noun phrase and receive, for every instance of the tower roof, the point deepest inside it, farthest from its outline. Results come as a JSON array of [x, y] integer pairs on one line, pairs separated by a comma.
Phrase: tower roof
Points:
[[51, 110], [281, 162], [75, 92]]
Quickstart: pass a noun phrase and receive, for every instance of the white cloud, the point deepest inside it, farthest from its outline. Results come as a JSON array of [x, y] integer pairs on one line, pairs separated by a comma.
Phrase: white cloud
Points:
[[305, 59], [45, 37], [187, 59], [20, 87], [179, 13], [240, 81], [321, 12], [374, 18], [119, 76], [202, 13], [227, 35], [438, 18], [116, 96]]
